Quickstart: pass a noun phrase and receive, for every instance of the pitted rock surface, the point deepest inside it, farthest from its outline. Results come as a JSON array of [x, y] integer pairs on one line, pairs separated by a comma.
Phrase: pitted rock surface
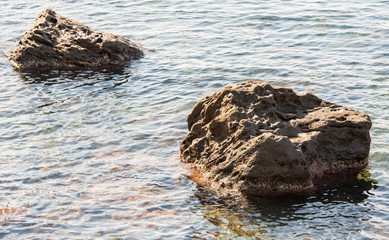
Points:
[[260, 139], [58, 42]]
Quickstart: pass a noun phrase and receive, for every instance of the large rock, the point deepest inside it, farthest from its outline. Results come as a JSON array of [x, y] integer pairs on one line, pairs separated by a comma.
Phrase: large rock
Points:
[[260, 139], [54, 41]]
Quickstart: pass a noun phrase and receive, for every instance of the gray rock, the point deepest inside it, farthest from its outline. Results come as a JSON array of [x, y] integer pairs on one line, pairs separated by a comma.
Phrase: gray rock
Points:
[[260, 139], [54, 41]]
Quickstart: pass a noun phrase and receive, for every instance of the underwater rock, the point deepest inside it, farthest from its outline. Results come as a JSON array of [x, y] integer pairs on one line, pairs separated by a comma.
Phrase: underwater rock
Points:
[[261, 140], [57, 42]]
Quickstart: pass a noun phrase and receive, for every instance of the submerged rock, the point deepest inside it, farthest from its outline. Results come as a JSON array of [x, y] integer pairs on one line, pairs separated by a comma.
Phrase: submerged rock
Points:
[[54, 41], [260, 139]]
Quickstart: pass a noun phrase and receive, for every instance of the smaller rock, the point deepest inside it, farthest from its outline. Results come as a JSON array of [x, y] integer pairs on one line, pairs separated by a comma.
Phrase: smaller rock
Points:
[[58, 42]]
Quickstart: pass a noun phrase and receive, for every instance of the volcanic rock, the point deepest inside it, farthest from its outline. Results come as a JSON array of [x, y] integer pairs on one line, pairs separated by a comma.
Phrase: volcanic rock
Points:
[[260, 139], [58, 42]]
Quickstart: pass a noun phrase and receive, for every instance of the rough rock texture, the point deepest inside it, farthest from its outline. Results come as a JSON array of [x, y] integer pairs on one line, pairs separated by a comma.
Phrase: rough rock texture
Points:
[[260, 139], [58, 42]]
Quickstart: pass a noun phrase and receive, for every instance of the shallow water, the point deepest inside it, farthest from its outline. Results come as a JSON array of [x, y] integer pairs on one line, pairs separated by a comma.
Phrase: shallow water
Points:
[[94, 154]]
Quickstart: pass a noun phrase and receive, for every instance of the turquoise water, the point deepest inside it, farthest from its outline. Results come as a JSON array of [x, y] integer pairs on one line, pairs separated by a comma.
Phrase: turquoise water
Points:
[[94, 154]]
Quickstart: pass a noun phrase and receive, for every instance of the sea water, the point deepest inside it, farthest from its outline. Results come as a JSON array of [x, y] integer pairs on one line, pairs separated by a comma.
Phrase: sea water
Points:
[[94, 154]]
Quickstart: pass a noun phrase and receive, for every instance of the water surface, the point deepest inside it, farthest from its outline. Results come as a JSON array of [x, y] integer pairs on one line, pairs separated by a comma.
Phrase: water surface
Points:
[[94, 154]]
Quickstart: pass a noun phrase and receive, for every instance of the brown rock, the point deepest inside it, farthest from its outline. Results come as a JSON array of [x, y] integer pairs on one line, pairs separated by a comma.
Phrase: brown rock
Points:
[[54, 41], [260, 139]]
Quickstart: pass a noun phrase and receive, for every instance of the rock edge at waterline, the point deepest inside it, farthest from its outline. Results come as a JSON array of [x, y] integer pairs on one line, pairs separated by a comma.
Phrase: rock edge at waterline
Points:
[[261, 140], [58, 42]]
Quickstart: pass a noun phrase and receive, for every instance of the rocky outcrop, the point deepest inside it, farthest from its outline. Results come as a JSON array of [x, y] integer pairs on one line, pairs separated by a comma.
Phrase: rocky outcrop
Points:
[[260, 139], [58, 42]]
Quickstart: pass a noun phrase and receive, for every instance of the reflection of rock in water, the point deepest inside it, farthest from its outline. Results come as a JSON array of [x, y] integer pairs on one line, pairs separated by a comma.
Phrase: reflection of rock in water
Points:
[[228, 218], [261, 217], [58, 42], [260, 139], [52, 77], [76, 83]]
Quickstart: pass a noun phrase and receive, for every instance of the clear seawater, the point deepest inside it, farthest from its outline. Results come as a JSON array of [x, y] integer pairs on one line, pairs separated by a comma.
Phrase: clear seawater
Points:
[[94, 154]]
